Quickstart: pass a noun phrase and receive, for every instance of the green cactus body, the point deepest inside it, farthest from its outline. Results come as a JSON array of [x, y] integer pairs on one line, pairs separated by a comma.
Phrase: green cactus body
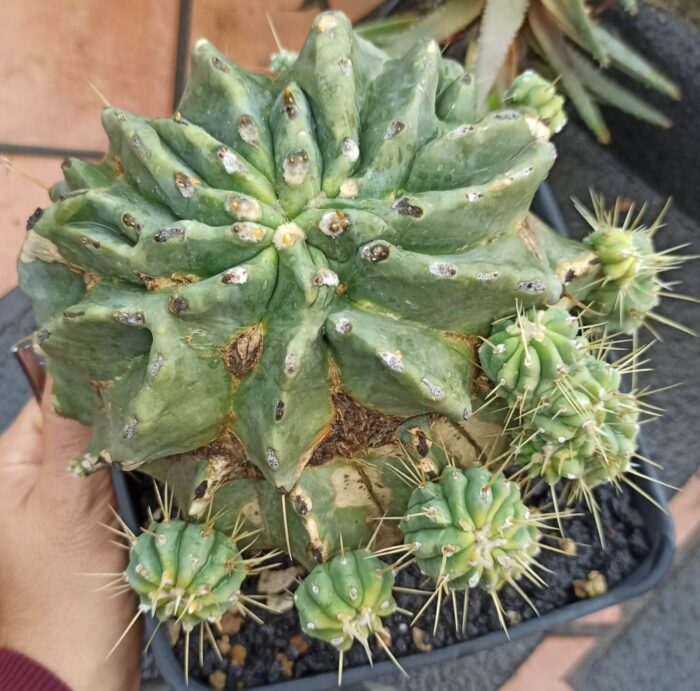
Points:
[[535, 96], [470, 529], [285, 259], [527, 354], [185, 571], [572, 420], [587, 430], [630, 266], [345, 598]]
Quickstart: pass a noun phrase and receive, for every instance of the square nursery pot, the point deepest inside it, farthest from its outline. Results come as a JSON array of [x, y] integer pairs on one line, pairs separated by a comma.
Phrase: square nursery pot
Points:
[[649, 571]]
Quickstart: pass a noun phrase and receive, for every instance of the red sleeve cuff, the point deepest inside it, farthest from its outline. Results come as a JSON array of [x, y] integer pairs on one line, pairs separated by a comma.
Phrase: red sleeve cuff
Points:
[[20, 673]]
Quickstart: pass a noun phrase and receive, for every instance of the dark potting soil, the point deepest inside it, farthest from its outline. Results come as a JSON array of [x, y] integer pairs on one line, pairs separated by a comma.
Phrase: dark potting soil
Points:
[[278, 650]]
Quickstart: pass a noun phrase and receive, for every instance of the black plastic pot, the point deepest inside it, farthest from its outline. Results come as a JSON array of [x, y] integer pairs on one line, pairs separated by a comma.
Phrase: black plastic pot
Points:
[[649, 572]]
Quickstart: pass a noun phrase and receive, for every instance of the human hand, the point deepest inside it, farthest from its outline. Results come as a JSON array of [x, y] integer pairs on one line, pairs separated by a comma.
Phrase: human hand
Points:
[[50, 538]]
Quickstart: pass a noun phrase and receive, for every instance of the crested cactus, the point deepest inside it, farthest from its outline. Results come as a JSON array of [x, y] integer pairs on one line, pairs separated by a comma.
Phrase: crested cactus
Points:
[[276, 302]]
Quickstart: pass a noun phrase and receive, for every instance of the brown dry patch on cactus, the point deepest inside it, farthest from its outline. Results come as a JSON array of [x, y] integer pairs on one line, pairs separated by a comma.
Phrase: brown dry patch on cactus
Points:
[[353, 428], [526, 234], [243, 353], [227, 459]]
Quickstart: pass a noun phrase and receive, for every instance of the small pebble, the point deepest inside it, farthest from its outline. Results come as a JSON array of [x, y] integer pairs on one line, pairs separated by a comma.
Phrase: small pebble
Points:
[[231, 622], [217, 680], [237, 654], [286, 664], [594, 585], [299, 642], [419, 640], [223, 644]]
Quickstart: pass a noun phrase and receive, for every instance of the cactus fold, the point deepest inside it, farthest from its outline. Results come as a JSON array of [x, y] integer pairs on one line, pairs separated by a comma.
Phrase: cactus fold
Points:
[[345, 599], [470, 528], [185, 571]]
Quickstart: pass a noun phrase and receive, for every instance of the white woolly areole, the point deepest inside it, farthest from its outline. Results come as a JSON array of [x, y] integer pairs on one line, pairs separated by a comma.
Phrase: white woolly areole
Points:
[[350, 149], [230, 162], [247, 131], [538, 129], [332, 223], [243, 207], [326, 22], [287, 235], [38, 248], [349, 189], [238, 275], [248, 232], [393, 360], [295, 168], [325, 277]]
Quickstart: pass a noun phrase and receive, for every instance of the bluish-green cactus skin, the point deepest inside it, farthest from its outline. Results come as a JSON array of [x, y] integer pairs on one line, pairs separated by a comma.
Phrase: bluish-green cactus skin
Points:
[[185, 571], [345, 598], [470, 528], [278, 240], [267, 298]]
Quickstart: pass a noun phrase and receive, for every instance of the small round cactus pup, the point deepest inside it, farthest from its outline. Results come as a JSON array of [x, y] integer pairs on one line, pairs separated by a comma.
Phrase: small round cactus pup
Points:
[[186, 572], [534, 95], [345, 599], [524, 356], [623, 297], [471, 529]]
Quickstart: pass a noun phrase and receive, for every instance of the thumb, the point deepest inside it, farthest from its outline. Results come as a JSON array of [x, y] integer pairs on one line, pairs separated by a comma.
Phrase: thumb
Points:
[[65, 440]]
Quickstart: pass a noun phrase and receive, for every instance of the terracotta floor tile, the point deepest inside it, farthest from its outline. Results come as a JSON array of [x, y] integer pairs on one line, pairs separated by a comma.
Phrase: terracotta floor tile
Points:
[[603, 617], [18, 199], [549, 664], [241, 30], [49, 49]]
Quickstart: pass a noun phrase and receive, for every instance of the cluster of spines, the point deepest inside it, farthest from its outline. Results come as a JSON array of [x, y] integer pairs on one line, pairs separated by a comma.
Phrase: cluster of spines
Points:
[[623, 297], [569, 418], [469, 528]]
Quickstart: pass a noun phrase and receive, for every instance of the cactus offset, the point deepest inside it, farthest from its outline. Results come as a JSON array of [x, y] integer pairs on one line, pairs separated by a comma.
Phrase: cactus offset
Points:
[[534, 95], [186, 571], [470, 528]]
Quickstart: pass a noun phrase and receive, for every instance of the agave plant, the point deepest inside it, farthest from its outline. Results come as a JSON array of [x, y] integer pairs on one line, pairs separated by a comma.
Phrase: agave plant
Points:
[[562, 39]]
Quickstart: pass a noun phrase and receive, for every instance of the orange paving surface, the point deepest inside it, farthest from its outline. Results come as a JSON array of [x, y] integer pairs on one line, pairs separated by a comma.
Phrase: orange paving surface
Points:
[[49, 51], [18, 198]]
